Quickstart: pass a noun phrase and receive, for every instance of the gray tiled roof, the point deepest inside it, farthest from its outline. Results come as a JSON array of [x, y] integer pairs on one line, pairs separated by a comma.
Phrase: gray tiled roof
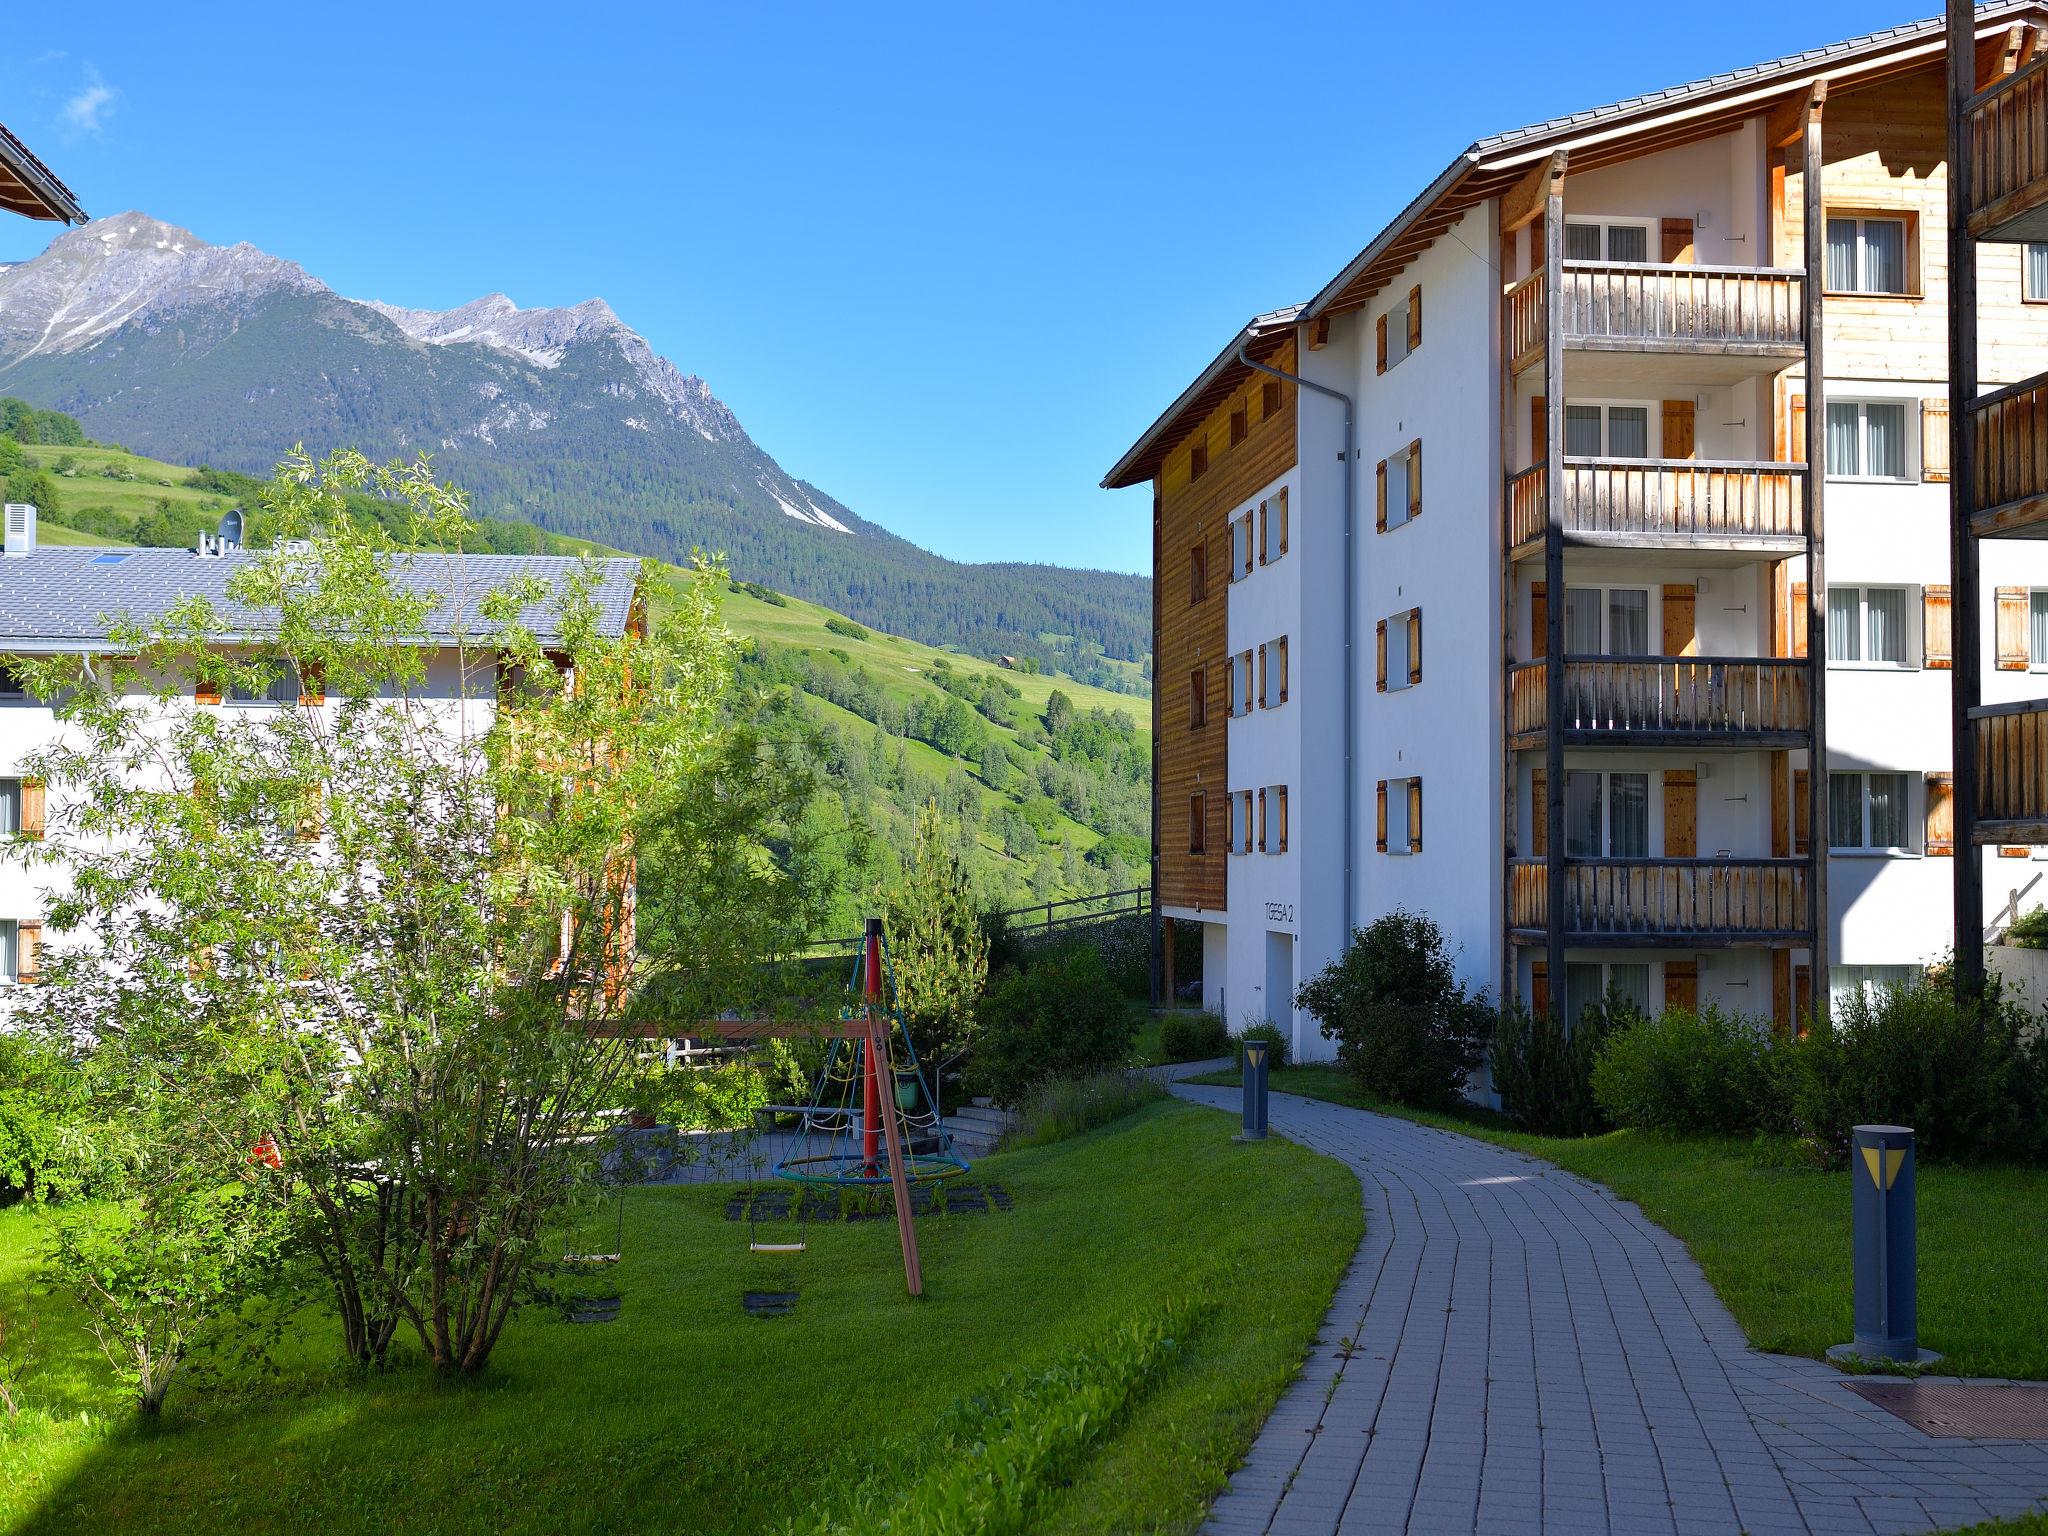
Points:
[[65, 597]]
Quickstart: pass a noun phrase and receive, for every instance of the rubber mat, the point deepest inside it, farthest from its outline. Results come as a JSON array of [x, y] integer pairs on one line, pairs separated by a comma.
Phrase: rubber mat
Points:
[[1952, 1410]]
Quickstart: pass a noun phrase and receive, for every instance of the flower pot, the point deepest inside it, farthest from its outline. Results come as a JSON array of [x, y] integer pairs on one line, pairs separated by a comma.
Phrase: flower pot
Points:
[[640, 1120]]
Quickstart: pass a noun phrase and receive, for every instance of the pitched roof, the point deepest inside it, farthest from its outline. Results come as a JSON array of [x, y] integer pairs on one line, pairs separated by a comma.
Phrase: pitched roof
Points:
[[1261, 335], [68, 598], [30, 187]]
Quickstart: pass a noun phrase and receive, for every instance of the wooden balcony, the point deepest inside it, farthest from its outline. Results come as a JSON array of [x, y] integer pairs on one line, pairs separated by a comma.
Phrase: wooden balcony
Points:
[[2009, 436], [1689, 504], [1667, 701], [1631, 903], [2008, 138], [1682, 309], [2012, 772]]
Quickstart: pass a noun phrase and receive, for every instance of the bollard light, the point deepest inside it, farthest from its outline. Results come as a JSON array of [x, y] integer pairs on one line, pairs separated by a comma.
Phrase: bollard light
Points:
[[1254, 1075], [1886, 1249]]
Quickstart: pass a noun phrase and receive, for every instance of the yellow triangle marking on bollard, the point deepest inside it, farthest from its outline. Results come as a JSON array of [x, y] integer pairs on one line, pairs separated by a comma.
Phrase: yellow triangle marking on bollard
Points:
[[1894, 1159]]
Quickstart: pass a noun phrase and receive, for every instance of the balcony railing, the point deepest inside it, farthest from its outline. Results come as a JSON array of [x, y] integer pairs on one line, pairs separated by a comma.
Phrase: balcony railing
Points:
[[1680, 700], [2008, 134], [2009, 436], [1652, 901], [1637, 306], [1700, 502], [2012, 766]]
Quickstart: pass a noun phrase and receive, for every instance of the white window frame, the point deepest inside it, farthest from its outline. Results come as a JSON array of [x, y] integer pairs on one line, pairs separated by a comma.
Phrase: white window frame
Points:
[[1397, 652], [1397, 339], [1400, 836], [1605, 225], [2028, 294], [1913, 602], [1909, 459], [1860, 220], [10, 806], [1606, 969], [10, 949], [287, 679], [1651, 781], [1652, 606], [13, 689], [1911, 814], [1240, 821], [2034, 663], [1653, 428], [1397, 505]]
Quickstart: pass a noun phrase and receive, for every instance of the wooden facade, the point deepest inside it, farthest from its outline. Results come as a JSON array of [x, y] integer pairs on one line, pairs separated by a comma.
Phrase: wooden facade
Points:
[[1243, 445]]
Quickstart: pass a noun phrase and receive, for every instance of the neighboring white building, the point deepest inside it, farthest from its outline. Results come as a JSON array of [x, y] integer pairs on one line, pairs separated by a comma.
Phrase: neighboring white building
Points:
[[1634, 284]]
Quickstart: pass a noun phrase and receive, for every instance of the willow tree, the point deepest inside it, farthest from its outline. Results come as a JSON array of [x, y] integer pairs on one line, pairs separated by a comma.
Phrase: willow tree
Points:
[[428, 906]]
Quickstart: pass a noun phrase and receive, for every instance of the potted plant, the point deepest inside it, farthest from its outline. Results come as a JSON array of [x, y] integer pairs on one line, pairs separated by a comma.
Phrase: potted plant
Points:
[[645, 1096]]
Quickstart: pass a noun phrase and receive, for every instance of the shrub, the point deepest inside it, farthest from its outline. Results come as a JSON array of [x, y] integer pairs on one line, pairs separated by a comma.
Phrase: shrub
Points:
[[1193, 1037], [846, 627], [2030, 931], [1061, 1018], [1684, 1071], [1970, 1079], [1543, 1072], [1067, 1108], [1266, 1030], [1404, 1026]]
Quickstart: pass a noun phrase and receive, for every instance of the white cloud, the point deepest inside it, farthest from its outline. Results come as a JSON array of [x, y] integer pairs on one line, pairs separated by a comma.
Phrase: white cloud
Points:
[[89, 107]]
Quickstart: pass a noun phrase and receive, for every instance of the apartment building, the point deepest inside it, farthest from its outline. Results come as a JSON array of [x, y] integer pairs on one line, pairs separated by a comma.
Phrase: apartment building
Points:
[[72, 600], [1593, 521]]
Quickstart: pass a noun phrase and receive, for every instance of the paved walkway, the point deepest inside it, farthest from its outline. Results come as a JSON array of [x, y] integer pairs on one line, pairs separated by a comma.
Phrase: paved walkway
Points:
[[1516, 1350]]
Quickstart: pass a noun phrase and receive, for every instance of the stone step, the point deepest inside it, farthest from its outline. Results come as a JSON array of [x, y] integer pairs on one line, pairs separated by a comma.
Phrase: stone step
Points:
[[974, 1114]]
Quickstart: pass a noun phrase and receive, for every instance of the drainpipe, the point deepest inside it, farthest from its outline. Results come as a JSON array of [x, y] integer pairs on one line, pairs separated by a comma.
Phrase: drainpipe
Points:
[[1350, 582]]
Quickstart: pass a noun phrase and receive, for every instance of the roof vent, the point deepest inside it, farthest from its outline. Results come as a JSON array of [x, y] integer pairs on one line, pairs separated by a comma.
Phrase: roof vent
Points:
[[227, 538], [21, 528]]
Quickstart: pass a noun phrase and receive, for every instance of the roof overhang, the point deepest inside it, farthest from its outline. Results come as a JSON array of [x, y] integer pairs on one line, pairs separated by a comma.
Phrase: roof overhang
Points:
[[1262, 336], [27, 186]]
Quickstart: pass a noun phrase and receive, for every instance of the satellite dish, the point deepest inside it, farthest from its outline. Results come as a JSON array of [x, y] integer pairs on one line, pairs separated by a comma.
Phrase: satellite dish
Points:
[[230, 530]]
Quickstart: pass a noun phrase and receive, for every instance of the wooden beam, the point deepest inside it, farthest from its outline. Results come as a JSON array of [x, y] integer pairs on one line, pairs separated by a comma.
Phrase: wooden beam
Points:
[[1525, 199], [1552, 810], [1966, 677], [1813, 198], [1788, 119]]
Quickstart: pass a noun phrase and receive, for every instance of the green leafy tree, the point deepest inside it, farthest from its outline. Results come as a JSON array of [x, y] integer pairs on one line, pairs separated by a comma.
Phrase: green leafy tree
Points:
[[937, 946]]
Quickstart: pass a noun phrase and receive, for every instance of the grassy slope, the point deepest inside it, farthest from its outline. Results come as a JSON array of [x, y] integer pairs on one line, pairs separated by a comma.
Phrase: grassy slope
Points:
[[1774, 1242], [689, 1415], [153, 481]]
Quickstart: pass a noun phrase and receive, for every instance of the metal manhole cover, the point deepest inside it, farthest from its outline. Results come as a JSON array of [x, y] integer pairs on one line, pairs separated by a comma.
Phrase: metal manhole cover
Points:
[[595, 1309], [768, 1303], [1953, 1411]]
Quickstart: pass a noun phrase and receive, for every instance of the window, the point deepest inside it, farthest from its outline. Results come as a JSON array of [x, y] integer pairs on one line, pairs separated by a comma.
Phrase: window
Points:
[[1607, 431], [1400, 650], [1241, 683], [1607, 621], [1606, 815], [2034, 273], [10, 805], [1198, 699], [1273, 673], [2037, 629], [10, 950], [1400, 816], [1868, 811], [12, 689], [1198, 574], [283, 687], [1848, 983], [1240, 821], [1198, 822], [1262, 821], [1400, 487], [1198, 461], [1866, 255], [1240, 546], [1240, 424], [1589, 983], [1395, 328], [1868, 625], [1273, 819], [1867, 439], [1273, 528], [1269, 400], [1590, 240]]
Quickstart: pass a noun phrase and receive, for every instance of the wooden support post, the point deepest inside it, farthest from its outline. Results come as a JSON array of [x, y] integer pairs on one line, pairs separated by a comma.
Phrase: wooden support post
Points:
[[1553, 578], [1812, 193], [1153, 973], [899, 1177], [1966, 648], [1166, 960]]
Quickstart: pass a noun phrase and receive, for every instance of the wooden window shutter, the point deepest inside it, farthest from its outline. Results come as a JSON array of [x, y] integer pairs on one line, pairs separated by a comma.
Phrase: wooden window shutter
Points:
[[2012, 629], [1539, 429], [1781, 992], [1796, 618], [2005, 852], [1781, 805], [1380, 519], [1283, 519], [1380, 642], [1262, 677], [1319, 334], [1415, 317], [1802, 997], [1941, 813], [1802, 812], [1265, 531], [1539, 987], [205, 690], [1539, 621], [1415, 478], [1675, 241], [1262, 821], [28, 952], [1793, 449], [1380, 840], [1682, 985], [313, 684], [1414, 645], [1280, 794], [1935, 645], [1381, 344], [1681, 813], [1415, 815], [1679, 434], [1539, 812], [1680, 627], [1934, 439], [34, 808], [1282, 645]]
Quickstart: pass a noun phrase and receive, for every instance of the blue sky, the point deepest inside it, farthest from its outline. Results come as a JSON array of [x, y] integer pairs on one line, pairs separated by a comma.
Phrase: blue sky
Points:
[[944, 261]]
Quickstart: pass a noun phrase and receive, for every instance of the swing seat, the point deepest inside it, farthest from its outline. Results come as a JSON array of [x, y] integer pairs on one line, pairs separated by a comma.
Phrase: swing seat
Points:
[[590, 1258], [775, 1247]]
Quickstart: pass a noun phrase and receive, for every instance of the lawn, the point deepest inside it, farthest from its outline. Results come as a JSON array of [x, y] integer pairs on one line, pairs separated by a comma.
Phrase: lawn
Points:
[[1775, 1242], [688, 1415]]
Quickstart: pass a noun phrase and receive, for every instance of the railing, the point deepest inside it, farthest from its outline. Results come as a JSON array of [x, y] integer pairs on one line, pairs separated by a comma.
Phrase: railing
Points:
[[1631, 304], [1046, 916], [1692, 696], [1528, 319], [2008, 138], [2012, 761], [1634, 899], [1528, 502], [2009, 433], [1685, 499]]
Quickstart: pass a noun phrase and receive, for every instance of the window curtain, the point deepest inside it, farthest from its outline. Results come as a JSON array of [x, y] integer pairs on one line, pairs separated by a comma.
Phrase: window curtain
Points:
[[1843, 457], [1582, 989], [1884, 256], [1845, 635], [1628, 432], [1887, 810], [1628, 622], [1845, 810], [2037, 630], [1628, 815], [1582, 430], [1885, 611], [1582, 242], [1841, 261], [1628, 242], [1582, 621], [10, 806], [1884, 436], [1632, 984], [2037, 270], [1582, 815]]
